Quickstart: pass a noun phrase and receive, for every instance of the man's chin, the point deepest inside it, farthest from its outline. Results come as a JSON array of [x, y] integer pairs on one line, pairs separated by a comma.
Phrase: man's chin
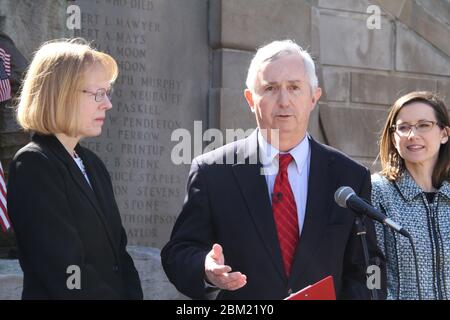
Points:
[[287, 128]]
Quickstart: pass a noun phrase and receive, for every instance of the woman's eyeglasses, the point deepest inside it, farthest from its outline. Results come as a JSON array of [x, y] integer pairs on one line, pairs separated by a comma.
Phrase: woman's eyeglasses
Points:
[[100, 94], [404, 129]]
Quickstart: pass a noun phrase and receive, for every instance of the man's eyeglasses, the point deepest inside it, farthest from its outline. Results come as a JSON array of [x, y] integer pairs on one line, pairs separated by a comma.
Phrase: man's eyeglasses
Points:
[[100, 94], [404, 129]]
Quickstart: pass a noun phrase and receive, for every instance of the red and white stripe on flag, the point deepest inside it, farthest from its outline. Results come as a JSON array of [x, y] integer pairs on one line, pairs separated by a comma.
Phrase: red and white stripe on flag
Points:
[[4, 218], [5, 74]]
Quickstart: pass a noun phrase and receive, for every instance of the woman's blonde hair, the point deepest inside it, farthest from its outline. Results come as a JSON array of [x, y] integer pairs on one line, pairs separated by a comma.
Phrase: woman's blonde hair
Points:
[[392, 164], [49, 101]]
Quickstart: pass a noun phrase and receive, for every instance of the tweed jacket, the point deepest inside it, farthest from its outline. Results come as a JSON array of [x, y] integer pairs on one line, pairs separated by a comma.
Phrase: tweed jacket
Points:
[[429, 225]]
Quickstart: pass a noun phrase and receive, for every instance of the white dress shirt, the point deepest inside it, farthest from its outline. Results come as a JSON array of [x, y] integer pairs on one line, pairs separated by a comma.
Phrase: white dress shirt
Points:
[[298, 171], [80, 164]]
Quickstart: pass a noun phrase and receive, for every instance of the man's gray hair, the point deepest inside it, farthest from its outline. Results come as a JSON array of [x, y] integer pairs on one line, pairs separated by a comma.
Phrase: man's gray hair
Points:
[[274, 50]]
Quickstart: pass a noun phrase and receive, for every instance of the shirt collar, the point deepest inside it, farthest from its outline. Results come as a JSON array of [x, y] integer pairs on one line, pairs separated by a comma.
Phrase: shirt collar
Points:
[[409, 188], [445, 189], [267, 152]]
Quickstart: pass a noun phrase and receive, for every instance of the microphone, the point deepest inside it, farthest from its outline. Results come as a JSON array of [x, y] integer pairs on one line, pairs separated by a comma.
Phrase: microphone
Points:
[[345, 197]]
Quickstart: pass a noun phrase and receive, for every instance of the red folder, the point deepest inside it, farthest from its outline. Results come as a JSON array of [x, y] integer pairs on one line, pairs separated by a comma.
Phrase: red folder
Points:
[[322, 290]]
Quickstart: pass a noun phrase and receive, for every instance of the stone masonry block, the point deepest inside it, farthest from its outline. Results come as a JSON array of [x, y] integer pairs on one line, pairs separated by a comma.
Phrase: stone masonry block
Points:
[[414, 54], [393, 7], [385, 89], [354, 131], [429, 19], [32, 22], [336, 84], [234, 112], [230, 68], [443, 89], [349, 5], [249, 24], [345, 40]]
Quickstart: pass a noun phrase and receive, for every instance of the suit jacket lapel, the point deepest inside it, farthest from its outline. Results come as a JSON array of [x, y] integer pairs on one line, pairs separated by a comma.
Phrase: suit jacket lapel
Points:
[[254, 189], [94, 193], [53, 144], [91, 191], [318, 206]]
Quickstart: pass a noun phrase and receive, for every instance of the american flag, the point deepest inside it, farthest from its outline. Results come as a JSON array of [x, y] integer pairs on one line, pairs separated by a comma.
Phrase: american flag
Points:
[[4, 218], [5, 74]]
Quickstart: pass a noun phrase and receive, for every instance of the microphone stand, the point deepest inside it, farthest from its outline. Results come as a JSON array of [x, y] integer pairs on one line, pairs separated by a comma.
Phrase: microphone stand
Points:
[[361, 232]]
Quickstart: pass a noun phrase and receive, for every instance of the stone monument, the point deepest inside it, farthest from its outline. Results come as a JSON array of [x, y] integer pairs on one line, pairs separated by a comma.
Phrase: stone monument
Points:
[[161, 47]]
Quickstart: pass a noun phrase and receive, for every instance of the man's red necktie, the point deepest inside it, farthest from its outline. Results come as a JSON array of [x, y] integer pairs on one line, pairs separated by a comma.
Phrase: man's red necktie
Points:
[[285, 213]]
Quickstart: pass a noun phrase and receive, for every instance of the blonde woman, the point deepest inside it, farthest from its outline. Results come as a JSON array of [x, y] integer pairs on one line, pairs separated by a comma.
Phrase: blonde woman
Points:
[[70, 237], [413, 189]]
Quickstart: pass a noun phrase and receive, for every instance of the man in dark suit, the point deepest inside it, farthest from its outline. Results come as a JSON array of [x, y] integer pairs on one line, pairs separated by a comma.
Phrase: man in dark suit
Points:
[[265, 224]]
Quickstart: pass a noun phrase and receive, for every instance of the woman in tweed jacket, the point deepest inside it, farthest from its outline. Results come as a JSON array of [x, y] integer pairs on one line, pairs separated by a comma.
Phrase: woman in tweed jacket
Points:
[[413, 189]]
